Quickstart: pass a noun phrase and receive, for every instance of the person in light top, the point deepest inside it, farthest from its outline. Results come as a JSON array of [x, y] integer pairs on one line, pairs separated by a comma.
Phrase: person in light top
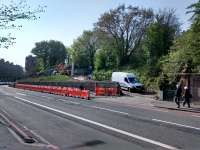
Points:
[[187, 95]]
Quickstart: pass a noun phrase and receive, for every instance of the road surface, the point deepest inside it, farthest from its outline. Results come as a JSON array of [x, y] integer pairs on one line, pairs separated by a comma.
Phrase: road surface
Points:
[[65, 123]]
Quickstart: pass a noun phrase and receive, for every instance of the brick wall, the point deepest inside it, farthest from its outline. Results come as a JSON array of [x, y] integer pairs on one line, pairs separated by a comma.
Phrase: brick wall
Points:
[[195, 87]]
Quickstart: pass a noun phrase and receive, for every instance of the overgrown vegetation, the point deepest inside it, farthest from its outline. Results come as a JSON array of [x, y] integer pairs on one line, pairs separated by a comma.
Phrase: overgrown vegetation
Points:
[[55, 78], [9, 71], [102, 75]]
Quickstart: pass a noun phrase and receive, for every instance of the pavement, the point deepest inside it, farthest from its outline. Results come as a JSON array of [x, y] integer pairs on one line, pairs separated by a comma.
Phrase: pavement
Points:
[[149, 100], [195, 107]]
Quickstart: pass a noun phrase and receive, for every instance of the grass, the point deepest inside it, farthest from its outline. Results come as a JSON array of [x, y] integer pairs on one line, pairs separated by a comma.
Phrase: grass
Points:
[[55, 78]]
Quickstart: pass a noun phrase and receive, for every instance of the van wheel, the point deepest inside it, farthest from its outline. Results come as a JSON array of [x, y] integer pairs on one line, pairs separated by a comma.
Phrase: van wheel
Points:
[[131, 90]]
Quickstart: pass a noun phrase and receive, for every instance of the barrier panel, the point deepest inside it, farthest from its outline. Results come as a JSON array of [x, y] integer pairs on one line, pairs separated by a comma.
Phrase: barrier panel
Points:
[[107, 89], [78, 92], [100, 91], [85, 94], [64, 91], [70, 90]]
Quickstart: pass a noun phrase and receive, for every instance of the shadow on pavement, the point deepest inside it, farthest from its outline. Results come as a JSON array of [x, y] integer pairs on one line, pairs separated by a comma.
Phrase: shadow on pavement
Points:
[[191, 109], [88, 144]]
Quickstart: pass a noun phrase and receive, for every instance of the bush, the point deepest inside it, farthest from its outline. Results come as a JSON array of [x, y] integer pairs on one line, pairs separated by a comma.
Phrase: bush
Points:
[[102, 75], [143, 76], [163, 82], [47, 78]]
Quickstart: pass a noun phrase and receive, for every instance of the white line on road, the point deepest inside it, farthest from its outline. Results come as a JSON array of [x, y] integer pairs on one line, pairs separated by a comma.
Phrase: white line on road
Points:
[[111, 110], [72, 102], [21, 94], [160, 110], [101, 125], [44, 96], [196, 116], [177, 124], [67, 101]]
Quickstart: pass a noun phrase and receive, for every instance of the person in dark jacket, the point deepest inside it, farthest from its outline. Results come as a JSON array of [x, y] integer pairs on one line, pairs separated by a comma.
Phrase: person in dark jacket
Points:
[[187, 95], [178, 95]]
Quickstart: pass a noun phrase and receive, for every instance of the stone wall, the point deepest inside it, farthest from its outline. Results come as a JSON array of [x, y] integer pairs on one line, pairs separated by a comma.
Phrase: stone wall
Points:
[[195, 87]]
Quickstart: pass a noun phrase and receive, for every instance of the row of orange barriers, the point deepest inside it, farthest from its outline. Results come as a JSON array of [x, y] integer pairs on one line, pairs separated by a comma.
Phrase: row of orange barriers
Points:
[[58, 90], [102, 91]]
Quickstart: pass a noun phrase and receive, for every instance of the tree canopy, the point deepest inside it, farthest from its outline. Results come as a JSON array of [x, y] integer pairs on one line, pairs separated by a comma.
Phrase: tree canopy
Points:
[[160, 36], [30, 65], [9, 71], [186, 48], [127, 25], [50, 52], [195, 10], [84, 48], [10, 13]]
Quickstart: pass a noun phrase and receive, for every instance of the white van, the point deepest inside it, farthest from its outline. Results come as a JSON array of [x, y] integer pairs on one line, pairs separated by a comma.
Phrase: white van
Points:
[[127, 81]]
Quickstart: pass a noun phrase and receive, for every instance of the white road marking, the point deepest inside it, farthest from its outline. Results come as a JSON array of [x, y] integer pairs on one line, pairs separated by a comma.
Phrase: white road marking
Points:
[[102, 125], [196, 116], [160, 110], [67, 101], [21, 94], [111, 110], [73, 102], [177, 124], [44, 96], [62, 100]]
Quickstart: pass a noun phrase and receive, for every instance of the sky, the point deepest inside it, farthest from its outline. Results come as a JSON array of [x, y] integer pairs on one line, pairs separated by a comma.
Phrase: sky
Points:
[[65, 20]]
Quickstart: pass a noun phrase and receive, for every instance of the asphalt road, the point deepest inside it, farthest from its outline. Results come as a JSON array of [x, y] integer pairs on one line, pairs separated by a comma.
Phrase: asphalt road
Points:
[[68, 123]]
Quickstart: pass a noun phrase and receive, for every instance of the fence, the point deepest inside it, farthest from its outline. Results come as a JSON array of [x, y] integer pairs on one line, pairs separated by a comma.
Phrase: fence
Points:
[[168, 95], [100, 88]]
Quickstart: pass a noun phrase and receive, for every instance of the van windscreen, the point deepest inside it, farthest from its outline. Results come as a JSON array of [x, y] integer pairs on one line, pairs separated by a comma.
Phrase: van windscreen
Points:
[[133, 80]]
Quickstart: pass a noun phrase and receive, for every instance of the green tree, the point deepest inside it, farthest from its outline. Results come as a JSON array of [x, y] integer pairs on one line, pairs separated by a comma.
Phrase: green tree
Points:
[[127, 26], [195, 9], [9, 71], [105, 56], [186, 48], [104, 60], [160, 37], [84, 48], [10, 14], [50, 52], [195, 35], [30, 65], [180, 53]]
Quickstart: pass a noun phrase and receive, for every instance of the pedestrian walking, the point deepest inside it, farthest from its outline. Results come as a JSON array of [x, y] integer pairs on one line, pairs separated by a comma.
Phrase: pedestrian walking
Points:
[[178, 94], [187, 95]]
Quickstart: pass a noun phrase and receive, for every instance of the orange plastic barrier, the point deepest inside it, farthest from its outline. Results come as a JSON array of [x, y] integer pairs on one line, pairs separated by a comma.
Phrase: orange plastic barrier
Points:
[[100, 91], [77, 92], [65, 91], [71, 91], [85, 94]]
